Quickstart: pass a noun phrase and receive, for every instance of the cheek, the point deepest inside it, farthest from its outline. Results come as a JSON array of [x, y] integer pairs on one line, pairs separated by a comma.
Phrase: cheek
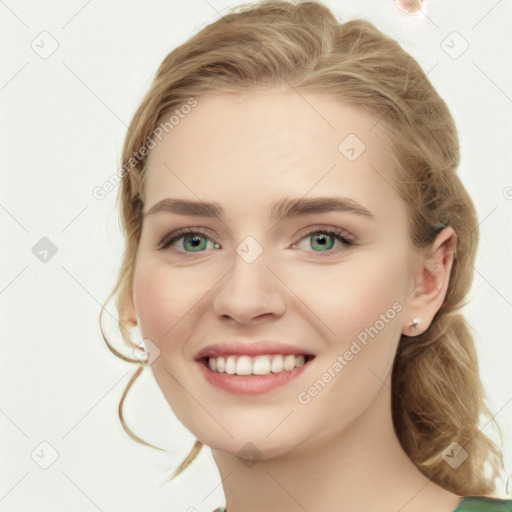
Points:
[[374, 300], [362, 307], [162, 300], [350, 297], [371, 322]]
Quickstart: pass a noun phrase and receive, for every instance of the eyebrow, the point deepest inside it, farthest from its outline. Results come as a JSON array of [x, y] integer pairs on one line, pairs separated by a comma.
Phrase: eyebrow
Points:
[[280, 209]]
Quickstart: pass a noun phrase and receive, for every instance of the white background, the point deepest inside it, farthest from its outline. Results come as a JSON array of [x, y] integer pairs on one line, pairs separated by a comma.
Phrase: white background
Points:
[[63, 122]]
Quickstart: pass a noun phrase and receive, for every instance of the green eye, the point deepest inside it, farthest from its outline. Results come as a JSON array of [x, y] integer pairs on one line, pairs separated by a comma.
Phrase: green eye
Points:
[[194, 243], [321, 242], [191, 241], [327, 240]]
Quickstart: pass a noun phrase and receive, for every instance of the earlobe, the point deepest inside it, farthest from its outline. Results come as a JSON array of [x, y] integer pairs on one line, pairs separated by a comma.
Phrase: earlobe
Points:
[[128, 309], [413, 328], [431, 283]]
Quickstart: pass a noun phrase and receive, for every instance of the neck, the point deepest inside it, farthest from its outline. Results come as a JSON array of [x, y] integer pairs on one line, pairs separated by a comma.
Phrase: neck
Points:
[[363, 469]]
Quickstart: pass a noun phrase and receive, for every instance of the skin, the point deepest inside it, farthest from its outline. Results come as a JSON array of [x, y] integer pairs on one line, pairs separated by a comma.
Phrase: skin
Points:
[[245, 151]]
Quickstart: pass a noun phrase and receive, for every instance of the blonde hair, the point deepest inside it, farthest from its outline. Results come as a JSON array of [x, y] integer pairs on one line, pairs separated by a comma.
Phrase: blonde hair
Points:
[[437, 395]]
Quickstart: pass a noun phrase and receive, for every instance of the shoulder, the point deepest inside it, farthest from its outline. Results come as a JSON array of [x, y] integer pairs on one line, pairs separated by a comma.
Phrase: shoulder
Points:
[[483, 504]]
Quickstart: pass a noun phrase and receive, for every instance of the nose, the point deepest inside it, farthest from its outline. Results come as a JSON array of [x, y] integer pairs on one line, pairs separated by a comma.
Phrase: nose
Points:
[[249, 292]]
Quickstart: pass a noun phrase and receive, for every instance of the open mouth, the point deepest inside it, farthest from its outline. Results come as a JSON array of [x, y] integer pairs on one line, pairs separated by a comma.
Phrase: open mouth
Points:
[[255, 375], [243, 365]]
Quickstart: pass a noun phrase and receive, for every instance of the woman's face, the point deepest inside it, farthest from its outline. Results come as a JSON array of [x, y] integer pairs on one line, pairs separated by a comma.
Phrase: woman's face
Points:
[[263, 269]]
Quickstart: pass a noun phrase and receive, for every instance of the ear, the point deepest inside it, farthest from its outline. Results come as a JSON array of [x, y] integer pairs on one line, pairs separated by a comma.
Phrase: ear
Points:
[[128, 309], [430, 282]]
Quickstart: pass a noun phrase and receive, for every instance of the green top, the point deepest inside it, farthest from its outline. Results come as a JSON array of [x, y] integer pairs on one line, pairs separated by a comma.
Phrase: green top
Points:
[[466, 504], [481, 504]]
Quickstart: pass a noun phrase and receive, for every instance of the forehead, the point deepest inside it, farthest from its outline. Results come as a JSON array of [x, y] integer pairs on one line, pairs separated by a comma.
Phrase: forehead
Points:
[[283, 122], [258, 145]]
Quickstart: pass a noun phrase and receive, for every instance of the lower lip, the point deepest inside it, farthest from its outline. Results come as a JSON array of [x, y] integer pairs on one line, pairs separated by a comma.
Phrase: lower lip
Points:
[[250, 384]]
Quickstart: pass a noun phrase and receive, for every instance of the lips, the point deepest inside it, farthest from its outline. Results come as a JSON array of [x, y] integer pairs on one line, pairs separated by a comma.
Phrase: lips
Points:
[[251, 349]]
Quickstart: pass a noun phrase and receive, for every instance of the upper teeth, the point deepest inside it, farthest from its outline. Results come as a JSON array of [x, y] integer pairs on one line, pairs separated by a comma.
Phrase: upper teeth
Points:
[[259, 365]]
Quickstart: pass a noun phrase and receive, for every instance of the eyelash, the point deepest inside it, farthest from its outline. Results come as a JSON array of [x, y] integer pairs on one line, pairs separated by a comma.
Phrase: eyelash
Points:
[[338, 234]]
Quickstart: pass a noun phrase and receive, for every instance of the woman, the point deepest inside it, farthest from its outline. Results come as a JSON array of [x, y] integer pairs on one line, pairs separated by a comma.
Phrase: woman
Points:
[[298, 248]]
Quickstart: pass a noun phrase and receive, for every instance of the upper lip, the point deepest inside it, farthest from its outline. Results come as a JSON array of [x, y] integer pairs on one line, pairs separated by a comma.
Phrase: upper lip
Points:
[[254, 348]]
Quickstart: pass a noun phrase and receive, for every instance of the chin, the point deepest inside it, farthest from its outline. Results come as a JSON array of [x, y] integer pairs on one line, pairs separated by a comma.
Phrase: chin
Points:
[[240, 437], [252, 449]]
